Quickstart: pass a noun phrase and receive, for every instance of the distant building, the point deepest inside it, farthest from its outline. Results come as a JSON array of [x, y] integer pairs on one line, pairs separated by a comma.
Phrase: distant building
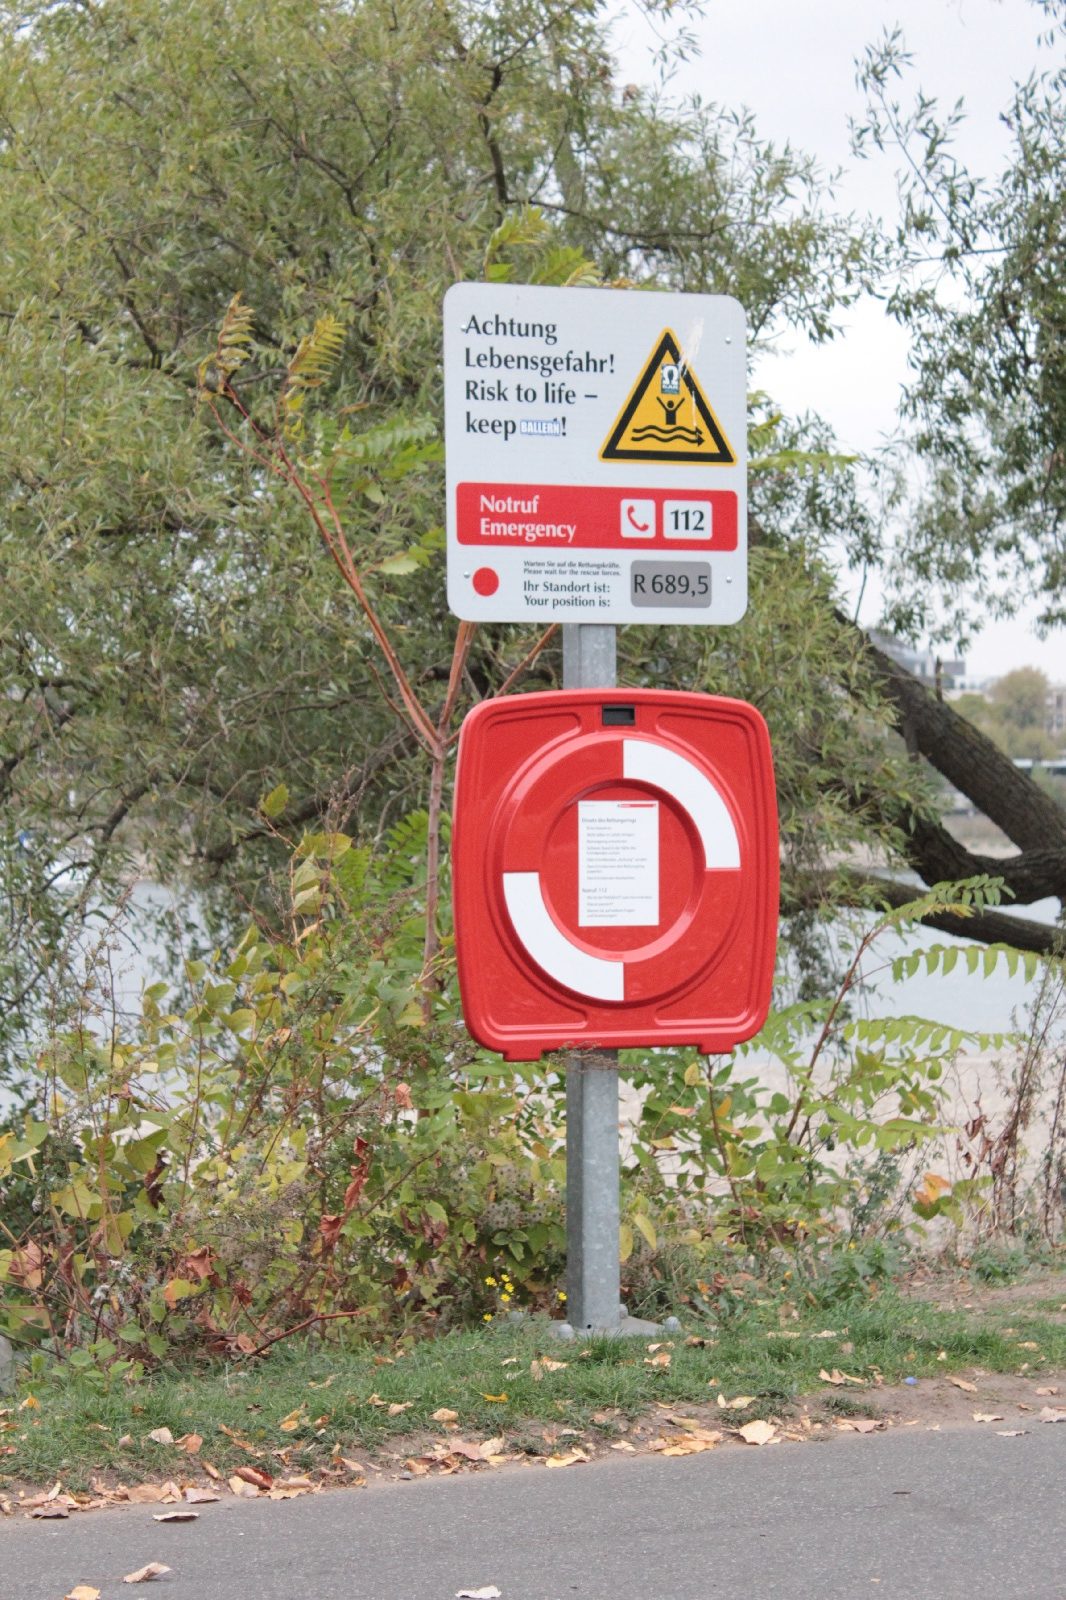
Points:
[[926, 665], [1056, 710]]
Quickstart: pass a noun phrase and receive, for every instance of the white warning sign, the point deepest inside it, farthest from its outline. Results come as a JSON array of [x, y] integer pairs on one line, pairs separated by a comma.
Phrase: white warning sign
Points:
[[618, 863], [596, 455]]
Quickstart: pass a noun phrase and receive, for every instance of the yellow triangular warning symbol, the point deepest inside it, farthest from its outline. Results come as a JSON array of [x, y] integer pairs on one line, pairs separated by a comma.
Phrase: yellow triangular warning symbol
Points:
[[667, 416]]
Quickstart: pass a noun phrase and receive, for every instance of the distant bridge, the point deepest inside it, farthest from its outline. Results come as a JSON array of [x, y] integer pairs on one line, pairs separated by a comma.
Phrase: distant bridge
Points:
[[1056, 765]]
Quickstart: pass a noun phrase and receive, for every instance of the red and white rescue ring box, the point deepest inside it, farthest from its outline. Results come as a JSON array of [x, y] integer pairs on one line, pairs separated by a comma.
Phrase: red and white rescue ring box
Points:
[[615, 871]]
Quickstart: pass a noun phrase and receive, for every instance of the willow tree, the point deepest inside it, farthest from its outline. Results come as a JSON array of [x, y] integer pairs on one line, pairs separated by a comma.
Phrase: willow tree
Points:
[[174, 643]]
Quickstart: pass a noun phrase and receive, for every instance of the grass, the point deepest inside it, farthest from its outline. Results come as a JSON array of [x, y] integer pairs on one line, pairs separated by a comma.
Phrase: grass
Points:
[[336, 1401]]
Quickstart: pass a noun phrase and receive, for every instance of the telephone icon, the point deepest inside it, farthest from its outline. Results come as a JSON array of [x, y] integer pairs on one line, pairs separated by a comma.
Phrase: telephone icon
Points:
[[638, 519]]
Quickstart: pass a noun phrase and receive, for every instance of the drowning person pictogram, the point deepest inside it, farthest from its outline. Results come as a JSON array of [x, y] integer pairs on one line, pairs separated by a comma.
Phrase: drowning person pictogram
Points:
[[667, 416]]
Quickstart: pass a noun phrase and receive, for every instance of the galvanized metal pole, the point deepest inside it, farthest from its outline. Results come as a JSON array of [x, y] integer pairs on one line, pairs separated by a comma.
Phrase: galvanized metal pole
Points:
[[592, 1275]]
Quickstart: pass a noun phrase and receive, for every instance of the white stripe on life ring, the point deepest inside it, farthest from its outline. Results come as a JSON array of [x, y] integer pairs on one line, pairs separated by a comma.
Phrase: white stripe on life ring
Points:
[[644, 762], [553, 952]]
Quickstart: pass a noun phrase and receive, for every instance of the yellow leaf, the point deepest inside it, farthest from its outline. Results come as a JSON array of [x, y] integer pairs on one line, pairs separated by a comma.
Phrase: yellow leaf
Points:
[[293, 1421], [496, 1399], [738, 1404], [692, 1074], [932, 1187], [625, 1242], [644, 1224]]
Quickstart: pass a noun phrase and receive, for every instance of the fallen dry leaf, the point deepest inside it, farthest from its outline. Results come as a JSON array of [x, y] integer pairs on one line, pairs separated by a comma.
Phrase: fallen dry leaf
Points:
[[1052, 1414], [256, 1475], [1051, 1389], [82, 1591], [496, 1399], [837, 1377], [861, 1424], [190, 1443], [738, 1404], [1011, 1433], [212, 1472], [661, 1358], [488, 1592], [570, 1459], [988, 1416], [400, 1405], [244, 1491], [145, 1494], [46, 1512], [445, 1416], [294, 1420], [463, 1447], [292, 1488], [161, 1436], [538, 1368], [691, 1444], [757, 1432], [962, 1383], [175, 1516], [200, 1497], [154, 1569], [624, 1444], [242, 1444]]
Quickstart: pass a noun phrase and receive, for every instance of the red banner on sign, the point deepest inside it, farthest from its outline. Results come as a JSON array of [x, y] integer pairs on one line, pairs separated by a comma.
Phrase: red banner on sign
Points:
[[560, 517]]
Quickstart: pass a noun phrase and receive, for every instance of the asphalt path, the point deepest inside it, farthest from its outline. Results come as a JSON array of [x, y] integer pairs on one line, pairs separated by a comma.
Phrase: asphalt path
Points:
[[912, 1514]]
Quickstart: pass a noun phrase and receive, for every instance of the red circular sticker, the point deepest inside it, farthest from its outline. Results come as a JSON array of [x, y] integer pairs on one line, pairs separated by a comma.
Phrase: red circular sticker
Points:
[[486, 581]]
